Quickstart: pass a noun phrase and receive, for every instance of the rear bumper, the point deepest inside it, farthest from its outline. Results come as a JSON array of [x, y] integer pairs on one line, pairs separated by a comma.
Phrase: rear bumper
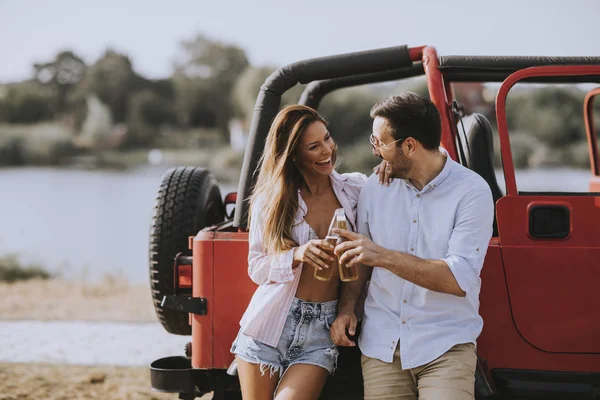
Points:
[[176, 375]]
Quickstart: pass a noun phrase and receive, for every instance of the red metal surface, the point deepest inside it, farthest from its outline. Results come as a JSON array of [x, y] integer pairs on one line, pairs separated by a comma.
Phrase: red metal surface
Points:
[[437, 92], [590, 130], [202, 325], [553, 283], [416, 53], [561, 70], [500, 344], [232, 293], [595, 184], [449, 92]]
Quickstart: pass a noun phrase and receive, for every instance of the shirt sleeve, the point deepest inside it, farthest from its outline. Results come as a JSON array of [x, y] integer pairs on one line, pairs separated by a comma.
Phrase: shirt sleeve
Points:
[[264, 267], [470, 238], [356, 178]]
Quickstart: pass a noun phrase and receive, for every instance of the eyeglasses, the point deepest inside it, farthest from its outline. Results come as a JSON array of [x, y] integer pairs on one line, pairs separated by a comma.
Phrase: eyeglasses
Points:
[[375, 142]]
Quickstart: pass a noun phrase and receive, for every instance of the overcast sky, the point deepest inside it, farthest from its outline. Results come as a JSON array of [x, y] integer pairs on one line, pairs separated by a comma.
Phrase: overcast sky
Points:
[[280, 32]]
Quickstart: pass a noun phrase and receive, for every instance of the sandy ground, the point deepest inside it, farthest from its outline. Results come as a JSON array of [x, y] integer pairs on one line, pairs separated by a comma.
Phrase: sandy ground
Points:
[[55, 299], [70, 301], [66, 382]]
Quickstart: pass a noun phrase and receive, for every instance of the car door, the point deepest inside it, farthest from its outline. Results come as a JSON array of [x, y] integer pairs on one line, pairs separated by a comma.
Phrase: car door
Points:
[[550, 245]]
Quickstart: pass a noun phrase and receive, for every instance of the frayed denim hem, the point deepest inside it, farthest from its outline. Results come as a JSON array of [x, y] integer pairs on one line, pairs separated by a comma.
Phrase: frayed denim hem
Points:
[[264, 366], [273, 369]]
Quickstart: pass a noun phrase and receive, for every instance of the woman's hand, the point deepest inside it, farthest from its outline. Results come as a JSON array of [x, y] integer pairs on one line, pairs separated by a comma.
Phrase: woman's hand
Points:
[[384, 170], [315, 253]]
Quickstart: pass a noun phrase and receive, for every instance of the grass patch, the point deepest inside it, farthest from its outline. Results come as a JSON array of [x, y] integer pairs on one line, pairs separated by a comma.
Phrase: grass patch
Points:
[[12, 270]]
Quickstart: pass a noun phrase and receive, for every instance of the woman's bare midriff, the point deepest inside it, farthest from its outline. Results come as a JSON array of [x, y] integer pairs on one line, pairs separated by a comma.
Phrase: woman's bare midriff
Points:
[[314, 290], [319, 214]]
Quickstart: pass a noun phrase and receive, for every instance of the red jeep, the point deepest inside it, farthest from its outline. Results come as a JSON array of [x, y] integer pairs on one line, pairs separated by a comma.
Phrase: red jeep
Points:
[[541, 335]]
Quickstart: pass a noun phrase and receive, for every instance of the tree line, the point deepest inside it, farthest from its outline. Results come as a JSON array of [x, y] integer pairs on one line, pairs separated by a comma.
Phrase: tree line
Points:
[[214, 82]]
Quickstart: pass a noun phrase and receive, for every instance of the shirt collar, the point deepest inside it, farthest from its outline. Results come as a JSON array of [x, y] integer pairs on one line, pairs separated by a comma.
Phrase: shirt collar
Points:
[[441, 177], [437, 181]]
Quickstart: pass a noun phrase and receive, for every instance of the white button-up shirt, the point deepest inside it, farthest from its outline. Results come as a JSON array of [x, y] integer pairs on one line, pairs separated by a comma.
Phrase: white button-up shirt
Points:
[[450, 219]]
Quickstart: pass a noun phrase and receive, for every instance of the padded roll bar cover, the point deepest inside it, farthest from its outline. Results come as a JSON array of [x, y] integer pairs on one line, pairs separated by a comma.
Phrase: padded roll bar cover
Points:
[[511, 62], [316, 90], [498, 68]]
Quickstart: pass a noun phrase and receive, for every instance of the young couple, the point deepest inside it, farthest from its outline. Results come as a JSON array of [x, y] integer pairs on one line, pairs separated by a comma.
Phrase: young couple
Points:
[[421, 228]]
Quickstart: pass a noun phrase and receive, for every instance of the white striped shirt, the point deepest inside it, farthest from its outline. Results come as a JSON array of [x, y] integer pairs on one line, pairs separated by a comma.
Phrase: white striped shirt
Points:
[[266, 314]]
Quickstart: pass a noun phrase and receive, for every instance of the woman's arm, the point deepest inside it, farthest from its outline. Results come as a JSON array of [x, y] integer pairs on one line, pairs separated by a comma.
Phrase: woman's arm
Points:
[[263, 267]]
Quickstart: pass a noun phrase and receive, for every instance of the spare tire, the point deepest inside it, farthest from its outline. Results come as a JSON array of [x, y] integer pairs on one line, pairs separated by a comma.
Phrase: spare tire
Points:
[[187, 201]]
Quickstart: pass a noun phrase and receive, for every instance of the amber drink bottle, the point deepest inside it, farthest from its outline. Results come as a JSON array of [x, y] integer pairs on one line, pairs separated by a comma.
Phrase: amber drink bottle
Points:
[[325, 274], [347, 273]]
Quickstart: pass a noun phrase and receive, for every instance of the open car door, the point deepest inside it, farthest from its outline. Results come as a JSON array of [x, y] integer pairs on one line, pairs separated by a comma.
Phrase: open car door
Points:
[[550, 245]]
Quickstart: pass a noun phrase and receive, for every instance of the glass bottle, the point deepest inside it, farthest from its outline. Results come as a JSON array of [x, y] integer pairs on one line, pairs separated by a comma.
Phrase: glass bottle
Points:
[[347, 273], [325, 274]]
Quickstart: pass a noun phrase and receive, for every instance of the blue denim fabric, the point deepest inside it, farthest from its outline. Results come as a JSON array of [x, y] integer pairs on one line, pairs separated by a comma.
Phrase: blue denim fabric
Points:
[[305, 340]]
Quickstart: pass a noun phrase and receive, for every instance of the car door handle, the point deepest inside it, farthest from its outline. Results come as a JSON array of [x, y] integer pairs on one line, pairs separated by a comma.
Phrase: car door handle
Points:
[[549, 222]]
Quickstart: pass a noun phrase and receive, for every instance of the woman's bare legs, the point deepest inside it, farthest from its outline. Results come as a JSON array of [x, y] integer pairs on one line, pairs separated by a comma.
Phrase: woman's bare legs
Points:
[[301, 382], [255, 384]]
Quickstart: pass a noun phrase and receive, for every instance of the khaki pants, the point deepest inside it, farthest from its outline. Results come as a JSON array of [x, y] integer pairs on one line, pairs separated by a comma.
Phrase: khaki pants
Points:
[[451, 377]]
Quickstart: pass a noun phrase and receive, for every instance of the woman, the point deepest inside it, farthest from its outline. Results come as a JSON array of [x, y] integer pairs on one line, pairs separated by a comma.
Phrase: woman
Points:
[[284, 349]]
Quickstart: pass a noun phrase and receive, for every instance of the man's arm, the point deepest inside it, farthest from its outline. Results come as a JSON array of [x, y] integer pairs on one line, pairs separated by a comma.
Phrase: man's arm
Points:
[[457, 273], [431, 274], [351, 292]]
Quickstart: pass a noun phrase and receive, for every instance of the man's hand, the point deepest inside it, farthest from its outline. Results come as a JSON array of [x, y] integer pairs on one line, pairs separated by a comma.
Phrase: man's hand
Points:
[[344, 321], [358, 250]]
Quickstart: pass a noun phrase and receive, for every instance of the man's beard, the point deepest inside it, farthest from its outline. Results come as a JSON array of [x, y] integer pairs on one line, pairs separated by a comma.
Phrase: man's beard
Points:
[[401, 166]]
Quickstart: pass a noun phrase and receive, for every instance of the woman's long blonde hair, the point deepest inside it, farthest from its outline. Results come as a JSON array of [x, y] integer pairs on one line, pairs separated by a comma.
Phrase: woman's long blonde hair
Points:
[[279, 178]]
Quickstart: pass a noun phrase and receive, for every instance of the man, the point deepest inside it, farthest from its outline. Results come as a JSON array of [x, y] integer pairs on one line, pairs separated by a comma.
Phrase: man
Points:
[[424, 238]]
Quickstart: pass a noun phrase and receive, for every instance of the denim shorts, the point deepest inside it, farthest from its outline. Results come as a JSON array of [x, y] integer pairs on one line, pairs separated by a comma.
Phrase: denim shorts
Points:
[[305, 340]]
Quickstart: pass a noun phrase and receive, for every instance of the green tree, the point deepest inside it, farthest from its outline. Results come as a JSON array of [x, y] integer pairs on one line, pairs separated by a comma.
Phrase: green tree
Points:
[[347, 112], [204, 79], [29, 102], [113, 80], [61, 74], [147, 112], [551, 114]]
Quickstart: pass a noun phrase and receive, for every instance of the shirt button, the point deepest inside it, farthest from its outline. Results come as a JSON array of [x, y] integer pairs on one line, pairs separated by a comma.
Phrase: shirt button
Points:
[[418, 195], [414, 221], [412, 249], [403, 322], [405, 301]]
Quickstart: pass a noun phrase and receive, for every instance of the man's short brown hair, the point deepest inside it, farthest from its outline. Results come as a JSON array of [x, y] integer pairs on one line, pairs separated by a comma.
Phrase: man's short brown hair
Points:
[[411, 115]]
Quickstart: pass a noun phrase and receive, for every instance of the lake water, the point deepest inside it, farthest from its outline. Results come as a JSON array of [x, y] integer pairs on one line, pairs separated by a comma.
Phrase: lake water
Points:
[[82, 223], [86, 224]]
